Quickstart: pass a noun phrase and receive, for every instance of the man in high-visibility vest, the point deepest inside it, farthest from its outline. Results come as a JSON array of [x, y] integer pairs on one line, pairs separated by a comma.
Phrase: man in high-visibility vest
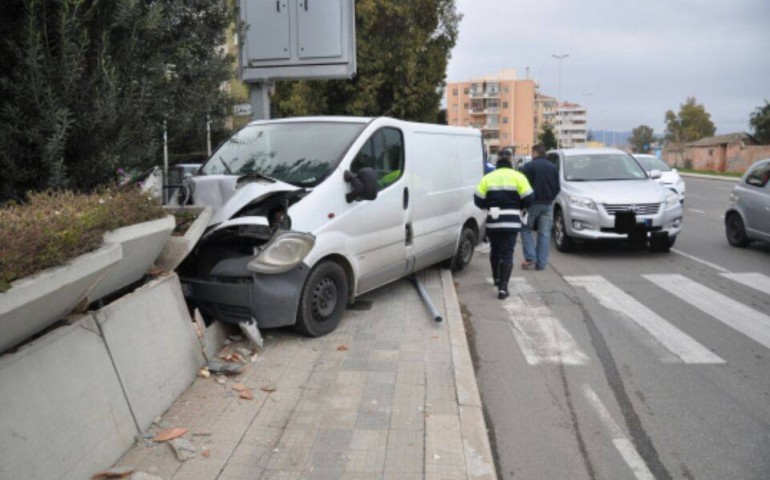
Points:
[[505, 193]]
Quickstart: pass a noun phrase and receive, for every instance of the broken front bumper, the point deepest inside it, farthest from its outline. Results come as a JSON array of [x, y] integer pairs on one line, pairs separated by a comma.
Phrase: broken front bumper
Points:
[[272, 300]]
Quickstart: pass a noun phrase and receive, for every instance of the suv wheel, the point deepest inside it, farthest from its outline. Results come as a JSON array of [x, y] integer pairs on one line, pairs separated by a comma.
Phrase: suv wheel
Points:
[[563, 241]]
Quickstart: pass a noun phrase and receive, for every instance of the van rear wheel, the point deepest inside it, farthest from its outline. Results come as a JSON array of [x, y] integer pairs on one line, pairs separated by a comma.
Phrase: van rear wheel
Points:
[[464, 253], [323, 300]]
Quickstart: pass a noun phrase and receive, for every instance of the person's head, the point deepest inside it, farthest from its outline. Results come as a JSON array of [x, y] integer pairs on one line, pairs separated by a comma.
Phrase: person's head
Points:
[[504, 157], [538, 151]]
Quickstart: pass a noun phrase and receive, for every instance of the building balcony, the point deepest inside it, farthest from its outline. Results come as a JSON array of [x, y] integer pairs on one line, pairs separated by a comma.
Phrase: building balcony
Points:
[[490, 126]]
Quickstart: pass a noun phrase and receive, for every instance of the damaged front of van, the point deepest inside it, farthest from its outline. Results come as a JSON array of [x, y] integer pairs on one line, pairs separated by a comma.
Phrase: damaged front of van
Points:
[[267, 187]]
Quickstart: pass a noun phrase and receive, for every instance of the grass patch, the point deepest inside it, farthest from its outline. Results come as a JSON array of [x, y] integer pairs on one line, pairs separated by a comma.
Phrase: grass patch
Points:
[[55, 227], [711, 172]]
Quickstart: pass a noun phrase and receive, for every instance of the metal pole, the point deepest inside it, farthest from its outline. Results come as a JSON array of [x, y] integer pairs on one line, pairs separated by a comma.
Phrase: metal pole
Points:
[[164, 188], [208, 134], [426, 299], [558, 101], [260, 100]]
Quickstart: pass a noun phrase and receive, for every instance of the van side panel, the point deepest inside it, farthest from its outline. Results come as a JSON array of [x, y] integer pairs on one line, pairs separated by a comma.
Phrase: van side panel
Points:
[[436, 185]]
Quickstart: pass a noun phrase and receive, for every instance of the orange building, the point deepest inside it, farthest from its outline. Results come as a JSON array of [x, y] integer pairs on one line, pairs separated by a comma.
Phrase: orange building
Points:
[[501, 106]]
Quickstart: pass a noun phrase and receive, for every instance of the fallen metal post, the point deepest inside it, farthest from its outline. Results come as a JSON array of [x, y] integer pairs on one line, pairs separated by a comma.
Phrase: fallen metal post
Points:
[[426, 299]]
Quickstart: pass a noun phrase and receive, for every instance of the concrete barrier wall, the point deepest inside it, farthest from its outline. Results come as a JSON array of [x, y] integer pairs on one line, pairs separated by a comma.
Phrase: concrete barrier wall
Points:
[[151, 339], [62, 409], [72, 401]]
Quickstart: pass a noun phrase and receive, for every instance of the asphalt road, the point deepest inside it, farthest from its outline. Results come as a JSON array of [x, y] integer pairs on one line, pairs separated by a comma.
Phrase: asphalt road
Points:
[[621, 364]]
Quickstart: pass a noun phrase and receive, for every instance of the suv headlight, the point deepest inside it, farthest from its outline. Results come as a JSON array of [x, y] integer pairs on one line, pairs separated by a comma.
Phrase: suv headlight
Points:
[[672, 199], [284, 252], [582, 202]]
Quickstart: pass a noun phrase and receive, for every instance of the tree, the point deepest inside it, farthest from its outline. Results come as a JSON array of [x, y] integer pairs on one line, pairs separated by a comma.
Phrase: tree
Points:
[[88, 85], [691, 124], [403, 50], [547, 138], [760, 123], [641, 139]]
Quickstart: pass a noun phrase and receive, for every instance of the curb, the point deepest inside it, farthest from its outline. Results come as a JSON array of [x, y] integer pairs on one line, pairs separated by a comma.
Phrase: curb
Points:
[[478, 453], [710, 177]]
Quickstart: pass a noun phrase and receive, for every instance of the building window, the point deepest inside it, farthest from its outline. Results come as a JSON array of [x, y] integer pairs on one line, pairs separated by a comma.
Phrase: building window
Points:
[[465, 106], [454, 92], [505, 119], [505, 104], [466, 90], [505, 89]]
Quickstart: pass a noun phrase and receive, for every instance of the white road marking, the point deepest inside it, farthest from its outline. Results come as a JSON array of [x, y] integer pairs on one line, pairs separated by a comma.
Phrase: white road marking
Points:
[[670, 337], [756, 281], [540, 335], [700, 260], [736, 315], [695, 210], [621, 442]]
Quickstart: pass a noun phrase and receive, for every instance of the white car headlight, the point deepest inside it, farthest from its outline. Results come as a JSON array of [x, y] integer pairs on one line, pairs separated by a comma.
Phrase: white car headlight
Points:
[[672, 199], [582, 202], [283, 253]]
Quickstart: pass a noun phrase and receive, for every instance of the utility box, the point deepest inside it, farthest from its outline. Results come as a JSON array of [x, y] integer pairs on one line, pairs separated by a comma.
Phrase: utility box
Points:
[[297, 39]]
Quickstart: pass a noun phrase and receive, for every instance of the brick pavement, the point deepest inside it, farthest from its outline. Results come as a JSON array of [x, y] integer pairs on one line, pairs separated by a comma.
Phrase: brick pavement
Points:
[[390, 394]]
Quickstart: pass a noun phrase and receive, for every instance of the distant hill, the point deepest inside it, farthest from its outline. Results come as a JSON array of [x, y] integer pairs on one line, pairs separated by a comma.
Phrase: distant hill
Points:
[[611, 138]]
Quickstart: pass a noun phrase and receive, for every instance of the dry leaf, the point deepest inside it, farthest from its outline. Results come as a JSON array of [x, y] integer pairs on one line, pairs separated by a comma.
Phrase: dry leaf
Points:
[[246, 394], [169, 434], [268, 389], [239, 387], [342, 348], [205, 453], [117, 472]]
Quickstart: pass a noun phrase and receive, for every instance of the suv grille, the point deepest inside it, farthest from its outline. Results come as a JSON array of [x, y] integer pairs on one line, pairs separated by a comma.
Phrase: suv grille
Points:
[[639, 208]]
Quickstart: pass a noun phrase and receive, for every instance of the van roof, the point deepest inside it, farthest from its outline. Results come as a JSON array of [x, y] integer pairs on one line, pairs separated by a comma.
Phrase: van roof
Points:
[[366, 120]]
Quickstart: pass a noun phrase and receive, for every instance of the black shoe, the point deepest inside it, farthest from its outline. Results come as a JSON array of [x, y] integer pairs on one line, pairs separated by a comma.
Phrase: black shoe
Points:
[[502, 294]]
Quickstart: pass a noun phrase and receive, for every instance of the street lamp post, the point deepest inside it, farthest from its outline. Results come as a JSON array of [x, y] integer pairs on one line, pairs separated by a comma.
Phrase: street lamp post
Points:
[[558, 100]]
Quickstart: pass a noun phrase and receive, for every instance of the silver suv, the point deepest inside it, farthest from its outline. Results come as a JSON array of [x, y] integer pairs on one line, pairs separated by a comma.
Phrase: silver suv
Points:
[[748, 214], [606, 194]]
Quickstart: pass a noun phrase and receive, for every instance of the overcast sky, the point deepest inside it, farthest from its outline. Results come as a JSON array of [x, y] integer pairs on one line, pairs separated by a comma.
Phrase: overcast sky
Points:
[[629, 60]]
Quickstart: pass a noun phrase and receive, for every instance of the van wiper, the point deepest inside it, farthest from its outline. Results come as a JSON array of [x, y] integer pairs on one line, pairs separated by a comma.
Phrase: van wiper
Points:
[[224, 164], [254, 176]]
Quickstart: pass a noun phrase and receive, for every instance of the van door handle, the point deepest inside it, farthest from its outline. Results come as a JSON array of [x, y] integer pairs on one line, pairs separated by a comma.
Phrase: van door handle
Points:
[[406, 197]]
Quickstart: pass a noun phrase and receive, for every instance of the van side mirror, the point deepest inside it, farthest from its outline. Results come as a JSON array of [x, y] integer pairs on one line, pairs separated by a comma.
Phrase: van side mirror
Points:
[[655, 174], [363, 185]]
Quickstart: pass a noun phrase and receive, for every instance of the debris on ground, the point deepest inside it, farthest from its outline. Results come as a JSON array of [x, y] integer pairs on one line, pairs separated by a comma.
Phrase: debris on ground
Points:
[[268, 389], [342, 348], [169, 434], [243, 391], [226, 368], [183, 449], [117, 472], [204, 372], [205, 453]]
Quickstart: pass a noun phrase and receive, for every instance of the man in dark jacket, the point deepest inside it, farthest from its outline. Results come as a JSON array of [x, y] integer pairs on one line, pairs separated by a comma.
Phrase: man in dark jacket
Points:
[[504, 192], [544, 178]]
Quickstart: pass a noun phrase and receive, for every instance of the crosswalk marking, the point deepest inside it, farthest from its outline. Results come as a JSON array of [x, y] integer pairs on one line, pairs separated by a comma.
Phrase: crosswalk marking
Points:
[[621, 442], [756, 281], [747, 321], [540, 335], [670, 337]]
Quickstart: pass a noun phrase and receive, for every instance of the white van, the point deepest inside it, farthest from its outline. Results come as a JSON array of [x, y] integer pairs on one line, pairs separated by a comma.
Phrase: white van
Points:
[[312, 212]]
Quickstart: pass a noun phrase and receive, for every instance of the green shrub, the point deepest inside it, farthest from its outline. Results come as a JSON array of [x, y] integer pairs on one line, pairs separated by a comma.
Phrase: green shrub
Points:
[[55, 227]]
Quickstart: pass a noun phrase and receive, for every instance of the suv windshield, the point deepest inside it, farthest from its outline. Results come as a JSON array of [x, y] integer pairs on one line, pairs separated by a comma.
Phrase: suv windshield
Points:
[[652, 163], [601, 167], [301, 154]]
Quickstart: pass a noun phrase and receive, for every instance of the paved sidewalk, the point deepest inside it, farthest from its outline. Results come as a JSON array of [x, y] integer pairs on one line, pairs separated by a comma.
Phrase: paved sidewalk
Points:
[[390, 394]]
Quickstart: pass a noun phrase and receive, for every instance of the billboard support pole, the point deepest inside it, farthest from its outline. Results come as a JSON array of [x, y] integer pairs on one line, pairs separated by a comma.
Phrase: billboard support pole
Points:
[[259, 93]]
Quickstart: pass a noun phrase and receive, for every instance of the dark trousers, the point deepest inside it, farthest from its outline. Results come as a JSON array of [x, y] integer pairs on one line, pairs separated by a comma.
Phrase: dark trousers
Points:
[[501, 246]]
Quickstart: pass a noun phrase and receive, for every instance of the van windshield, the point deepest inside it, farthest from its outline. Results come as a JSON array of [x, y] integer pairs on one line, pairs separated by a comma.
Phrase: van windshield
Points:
[[301, 154]]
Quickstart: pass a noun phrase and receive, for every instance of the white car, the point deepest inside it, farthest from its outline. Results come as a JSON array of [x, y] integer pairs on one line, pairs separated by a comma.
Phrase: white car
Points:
[[606, 195], [669, 177]]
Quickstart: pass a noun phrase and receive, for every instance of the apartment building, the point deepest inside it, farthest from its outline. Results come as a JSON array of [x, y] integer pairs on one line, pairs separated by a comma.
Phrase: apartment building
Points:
[[501, 106], [571, 126]]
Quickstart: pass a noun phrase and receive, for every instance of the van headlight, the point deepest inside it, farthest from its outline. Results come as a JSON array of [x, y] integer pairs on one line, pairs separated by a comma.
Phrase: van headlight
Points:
[[672, 199], [283, 253], [582, 202]]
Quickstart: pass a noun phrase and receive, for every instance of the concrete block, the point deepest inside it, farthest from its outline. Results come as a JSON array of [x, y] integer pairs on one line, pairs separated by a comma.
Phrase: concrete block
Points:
[[141, 243], [153, 345], [63, 412], [35, 302], [176, 249]]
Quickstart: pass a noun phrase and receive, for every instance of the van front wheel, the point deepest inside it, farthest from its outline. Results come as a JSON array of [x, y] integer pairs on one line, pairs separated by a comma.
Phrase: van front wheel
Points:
[[323, 300], [464, 252]]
